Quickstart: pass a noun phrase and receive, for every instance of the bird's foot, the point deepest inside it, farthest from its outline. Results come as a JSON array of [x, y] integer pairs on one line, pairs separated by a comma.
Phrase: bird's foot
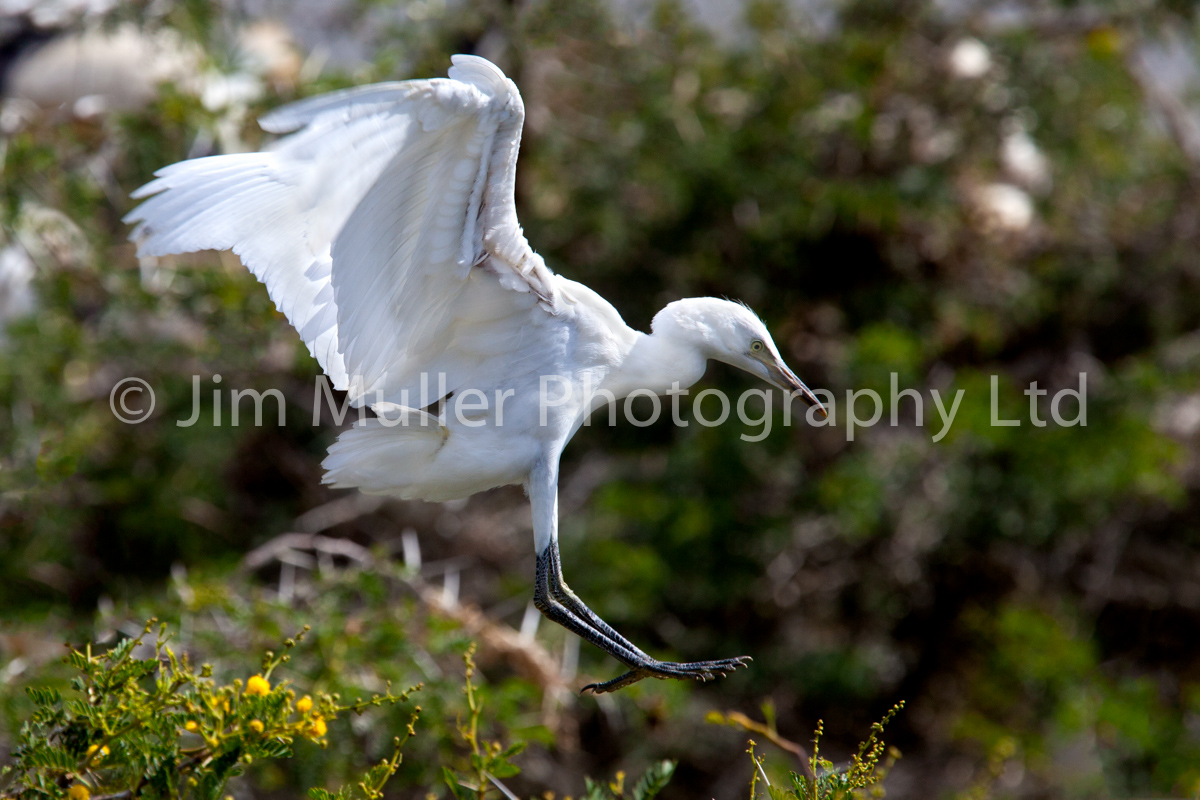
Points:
[[669, 670]]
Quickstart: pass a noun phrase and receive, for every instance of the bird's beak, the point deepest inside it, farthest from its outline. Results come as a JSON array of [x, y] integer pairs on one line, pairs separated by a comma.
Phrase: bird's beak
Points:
[[786, 380]]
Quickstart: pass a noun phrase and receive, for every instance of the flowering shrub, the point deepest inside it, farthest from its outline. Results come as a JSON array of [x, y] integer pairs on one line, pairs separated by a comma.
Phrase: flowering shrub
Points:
[[862, 777], [489, 761], [651, 783], [156, 726], [894, 195], [147, 724]]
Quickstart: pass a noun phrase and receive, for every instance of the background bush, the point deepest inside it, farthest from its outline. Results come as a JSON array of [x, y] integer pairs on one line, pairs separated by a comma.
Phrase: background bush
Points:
[[1032, 593]]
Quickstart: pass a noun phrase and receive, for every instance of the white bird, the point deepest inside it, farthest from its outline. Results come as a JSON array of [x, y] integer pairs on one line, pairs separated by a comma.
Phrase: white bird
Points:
[[385, 229]]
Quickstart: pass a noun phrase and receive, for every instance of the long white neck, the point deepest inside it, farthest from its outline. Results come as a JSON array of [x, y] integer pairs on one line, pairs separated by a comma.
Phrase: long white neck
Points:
[[673, 356], [657, 363]]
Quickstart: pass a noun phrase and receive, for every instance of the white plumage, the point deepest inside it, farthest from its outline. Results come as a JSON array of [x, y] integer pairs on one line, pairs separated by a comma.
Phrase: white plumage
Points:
[[384, 227]]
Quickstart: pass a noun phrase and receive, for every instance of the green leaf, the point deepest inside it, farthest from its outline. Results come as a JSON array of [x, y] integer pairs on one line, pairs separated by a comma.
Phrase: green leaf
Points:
[[459, 792], [654, 780], [118, 653], [595, 791], [52, 758], [274, 748], [43, 696], [513, 750]]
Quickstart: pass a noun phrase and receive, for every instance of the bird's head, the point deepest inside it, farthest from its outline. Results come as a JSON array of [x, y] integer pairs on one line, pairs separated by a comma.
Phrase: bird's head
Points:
[[730, 332]]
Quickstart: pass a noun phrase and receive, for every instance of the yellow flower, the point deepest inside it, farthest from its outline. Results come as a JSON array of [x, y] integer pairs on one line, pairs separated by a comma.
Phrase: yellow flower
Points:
[[318, 727], [91, 750], [78, 792], [304, 704], [256, 726], [190, 725], [258, 685]]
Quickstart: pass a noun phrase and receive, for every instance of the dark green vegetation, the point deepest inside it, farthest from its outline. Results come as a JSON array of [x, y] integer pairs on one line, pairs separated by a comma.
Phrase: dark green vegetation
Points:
[[1032, 593], [151, 725]]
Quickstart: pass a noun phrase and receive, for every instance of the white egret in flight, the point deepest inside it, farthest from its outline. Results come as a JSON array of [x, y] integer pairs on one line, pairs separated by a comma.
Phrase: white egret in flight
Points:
[[385, 229]]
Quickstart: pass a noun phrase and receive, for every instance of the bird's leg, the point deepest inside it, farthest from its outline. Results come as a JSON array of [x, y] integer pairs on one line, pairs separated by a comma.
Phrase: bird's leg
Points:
[[555, 599], [546, 601], [563, 594]]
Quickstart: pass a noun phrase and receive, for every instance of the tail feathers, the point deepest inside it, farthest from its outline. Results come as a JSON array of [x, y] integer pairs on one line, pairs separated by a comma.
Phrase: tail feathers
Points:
[[378, 459]]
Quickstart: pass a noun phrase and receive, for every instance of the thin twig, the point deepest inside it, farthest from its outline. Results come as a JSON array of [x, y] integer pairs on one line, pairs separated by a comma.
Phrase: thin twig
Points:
[[772, 735]]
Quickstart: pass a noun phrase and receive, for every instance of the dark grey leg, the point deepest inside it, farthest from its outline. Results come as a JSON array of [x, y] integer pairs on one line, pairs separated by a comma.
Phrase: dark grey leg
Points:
[[563, 594], [550, 606], [556, 600]]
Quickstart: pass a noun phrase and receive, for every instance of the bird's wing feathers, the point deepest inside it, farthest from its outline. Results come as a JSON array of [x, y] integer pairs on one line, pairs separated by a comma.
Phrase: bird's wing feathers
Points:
[[367, 222]]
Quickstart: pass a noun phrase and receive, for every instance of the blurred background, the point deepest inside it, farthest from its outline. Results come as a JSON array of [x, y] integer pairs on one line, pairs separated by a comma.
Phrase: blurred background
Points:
[[945, 190]]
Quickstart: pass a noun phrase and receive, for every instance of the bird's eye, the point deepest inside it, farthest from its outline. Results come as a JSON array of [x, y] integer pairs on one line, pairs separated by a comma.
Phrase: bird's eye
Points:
[[756, 346]]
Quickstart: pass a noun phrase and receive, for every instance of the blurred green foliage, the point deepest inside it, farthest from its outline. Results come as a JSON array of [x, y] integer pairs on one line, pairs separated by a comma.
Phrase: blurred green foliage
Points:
[[157, 727], [1031, 592], [369, 632], [149, 724]]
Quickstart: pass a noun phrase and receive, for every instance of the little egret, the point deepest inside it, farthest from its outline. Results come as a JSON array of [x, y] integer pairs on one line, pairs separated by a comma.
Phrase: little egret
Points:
[[385, 229]]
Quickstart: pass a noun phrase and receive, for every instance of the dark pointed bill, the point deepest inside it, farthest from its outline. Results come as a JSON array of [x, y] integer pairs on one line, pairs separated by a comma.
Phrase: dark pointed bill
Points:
[[786, 380]]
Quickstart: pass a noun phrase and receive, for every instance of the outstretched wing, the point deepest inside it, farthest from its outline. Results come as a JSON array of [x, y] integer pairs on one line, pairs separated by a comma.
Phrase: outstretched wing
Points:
[[369, 221]]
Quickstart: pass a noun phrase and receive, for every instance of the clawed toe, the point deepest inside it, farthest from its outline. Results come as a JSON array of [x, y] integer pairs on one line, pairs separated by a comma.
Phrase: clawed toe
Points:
[[699, 670], [702, 671], [556, 600], [621, 681]]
